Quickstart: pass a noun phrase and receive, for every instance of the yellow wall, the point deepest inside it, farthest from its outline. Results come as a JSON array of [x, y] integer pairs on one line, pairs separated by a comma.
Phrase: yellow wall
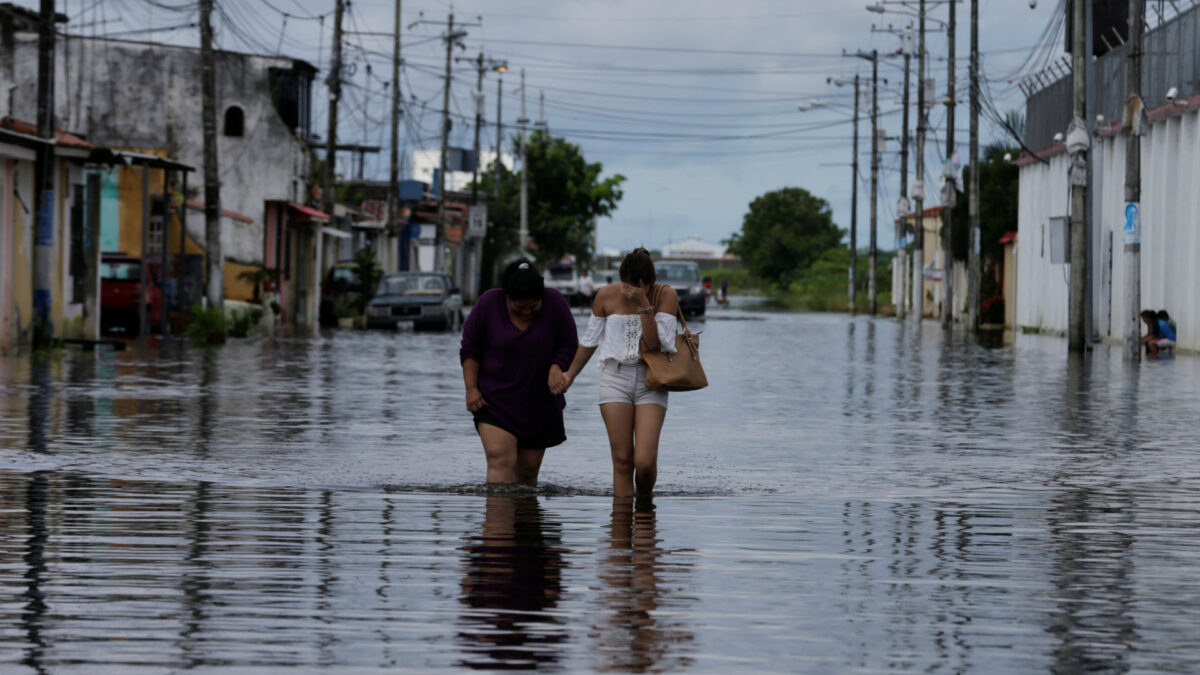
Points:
[[235, 288], [22, 256]]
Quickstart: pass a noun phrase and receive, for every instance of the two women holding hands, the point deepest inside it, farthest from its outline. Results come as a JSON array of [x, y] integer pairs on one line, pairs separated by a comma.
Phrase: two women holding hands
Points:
[[517, 350]]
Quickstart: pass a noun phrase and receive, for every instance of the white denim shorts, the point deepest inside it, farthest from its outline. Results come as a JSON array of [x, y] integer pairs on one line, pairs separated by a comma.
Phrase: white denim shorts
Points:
[[620, 383]]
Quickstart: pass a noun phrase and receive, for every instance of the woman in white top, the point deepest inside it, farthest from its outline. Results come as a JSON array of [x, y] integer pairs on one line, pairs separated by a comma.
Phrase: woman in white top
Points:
[[629, 318]]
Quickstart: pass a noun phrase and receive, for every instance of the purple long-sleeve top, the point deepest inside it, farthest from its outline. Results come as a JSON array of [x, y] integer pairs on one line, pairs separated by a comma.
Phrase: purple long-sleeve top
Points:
[[514, 365]]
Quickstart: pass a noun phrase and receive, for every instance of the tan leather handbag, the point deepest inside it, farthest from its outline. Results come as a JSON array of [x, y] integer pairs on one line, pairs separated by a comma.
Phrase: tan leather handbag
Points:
[[680, 371]]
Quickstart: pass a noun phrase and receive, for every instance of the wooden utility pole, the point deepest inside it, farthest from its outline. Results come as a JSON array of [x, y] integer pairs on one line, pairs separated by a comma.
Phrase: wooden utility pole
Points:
[[1077, 144], [394, 169], [949, 191], [974, 244], [918, 191], [439, 263], [1131, 331], [43, 241], [874, 180], [335, 94], [212, 171]]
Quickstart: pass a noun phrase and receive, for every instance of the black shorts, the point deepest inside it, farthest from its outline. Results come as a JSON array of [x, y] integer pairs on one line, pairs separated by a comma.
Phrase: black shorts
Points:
[[553, 435]]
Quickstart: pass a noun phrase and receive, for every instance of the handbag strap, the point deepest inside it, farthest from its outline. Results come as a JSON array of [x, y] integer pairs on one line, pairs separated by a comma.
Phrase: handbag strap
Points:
[[678, 309]]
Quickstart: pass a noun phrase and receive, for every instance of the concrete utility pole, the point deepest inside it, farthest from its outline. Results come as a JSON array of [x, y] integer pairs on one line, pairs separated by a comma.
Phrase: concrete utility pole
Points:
[[949, 192], [874, 179], [974, 245], [918, 191], [394, 172], [439, 263], [43, 241], [499, 137], [1077, 145], [478, 124], [1132, 330], [212, 175], [854, 202], [335, 95], [902, 204], [524, 121]]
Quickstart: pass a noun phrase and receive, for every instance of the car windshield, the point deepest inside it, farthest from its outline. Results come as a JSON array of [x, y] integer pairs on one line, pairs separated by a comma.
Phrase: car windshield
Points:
[[120, 271], [411, 283], [669, 272], [562, 271], [344, 275]]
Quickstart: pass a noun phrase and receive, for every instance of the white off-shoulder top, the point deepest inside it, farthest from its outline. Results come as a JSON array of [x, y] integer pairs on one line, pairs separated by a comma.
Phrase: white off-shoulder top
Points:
[[619, 336]]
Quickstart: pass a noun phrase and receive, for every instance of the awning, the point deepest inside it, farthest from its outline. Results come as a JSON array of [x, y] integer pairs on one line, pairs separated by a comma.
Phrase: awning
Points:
[[308, 213], [329, 231]]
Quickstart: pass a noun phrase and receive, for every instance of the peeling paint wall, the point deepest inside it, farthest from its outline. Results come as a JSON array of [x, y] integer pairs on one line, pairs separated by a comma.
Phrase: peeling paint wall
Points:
[[134, 95]]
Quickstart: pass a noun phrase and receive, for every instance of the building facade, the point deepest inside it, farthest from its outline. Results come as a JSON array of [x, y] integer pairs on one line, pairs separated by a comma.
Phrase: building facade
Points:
[[1170, 202]]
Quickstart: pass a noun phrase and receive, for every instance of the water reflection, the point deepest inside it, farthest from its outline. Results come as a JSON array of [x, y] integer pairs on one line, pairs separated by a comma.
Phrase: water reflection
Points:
[[640, 633], [34, 612], [511, 584]]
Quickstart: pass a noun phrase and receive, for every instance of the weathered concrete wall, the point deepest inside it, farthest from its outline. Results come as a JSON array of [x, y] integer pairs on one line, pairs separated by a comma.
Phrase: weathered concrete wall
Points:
[[144, 96]]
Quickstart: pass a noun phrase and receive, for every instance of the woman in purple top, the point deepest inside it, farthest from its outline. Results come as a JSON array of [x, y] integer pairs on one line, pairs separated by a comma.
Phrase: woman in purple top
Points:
[[516, 344]]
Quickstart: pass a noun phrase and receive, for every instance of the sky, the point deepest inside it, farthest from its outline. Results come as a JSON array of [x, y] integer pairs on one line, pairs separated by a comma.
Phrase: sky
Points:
[[696, 102]]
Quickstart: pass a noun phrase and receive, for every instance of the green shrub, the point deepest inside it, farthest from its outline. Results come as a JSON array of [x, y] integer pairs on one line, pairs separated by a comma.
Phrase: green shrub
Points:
[[241, 321], [206, 322]]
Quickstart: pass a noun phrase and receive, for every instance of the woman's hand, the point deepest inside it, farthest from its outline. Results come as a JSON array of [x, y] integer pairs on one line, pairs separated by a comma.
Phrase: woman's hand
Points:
[[636, 293], [557, 381], [475, 399]]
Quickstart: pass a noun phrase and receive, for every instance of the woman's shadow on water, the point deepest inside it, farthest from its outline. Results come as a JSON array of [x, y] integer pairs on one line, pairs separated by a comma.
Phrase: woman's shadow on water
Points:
[[512, 581]]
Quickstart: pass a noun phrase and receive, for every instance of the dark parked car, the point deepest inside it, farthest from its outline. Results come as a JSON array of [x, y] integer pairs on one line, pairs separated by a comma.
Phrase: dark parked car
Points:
[[425, 299], [120, 293], [684, 277]]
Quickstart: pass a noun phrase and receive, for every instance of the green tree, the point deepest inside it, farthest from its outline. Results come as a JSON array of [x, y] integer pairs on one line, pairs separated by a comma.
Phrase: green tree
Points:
[[999, 186], [783, 233], [566, 196]]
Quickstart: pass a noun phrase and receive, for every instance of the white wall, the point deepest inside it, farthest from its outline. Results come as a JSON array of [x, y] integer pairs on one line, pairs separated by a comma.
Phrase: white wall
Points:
[[1170, 252]]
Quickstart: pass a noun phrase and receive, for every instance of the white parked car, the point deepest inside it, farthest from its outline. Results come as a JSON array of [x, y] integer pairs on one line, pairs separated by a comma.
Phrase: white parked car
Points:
[[564, 277]]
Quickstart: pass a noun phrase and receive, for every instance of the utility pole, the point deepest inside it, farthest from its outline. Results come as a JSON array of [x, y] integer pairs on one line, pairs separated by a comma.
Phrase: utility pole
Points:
[[499, 137], [973, 250], [1132, 236], [524, 121], [212, 176], [1077, 145], [394, 173], [478, 123], [918, 191], [335, 94], [949, 192], [439, 263], [874, 178], [43, 249], [854, 202], [902, 204]]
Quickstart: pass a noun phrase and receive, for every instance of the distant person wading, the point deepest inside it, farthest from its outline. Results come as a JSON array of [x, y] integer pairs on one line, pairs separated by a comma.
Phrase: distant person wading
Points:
[[516, 343]]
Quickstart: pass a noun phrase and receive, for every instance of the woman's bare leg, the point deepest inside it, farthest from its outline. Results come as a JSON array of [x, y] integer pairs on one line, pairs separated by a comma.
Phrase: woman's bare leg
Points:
[[647, 425], [529, 463], [618, 419], [500, 449]]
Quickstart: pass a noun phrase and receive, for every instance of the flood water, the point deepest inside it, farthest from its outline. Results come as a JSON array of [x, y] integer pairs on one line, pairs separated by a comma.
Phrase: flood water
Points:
[[849, 495]]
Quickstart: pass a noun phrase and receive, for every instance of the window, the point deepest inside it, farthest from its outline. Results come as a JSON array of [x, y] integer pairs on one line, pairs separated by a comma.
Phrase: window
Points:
[[235, 121]]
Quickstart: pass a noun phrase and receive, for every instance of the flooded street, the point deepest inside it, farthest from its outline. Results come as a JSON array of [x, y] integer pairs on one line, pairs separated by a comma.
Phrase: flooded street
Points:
[[848, 495]]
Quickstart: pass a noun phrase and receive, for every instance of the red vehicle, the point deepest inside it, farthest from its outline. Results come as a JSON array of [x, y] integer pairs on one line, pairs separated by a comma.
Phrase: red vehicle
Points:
[[120, 293]]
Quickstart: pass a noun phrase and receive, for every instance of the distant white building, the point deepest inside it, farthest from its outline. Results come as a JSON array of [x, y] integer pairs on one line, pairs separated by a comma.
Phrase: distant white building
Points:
[[693, 248], [425, 161]]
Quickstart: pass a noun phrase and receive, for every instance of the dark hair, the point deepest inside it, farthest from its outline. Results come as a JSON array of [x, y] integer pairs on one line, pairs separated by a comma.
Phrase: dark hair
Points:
[[522, 281], [638, 266], [1149, 314], [1162, 314]]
